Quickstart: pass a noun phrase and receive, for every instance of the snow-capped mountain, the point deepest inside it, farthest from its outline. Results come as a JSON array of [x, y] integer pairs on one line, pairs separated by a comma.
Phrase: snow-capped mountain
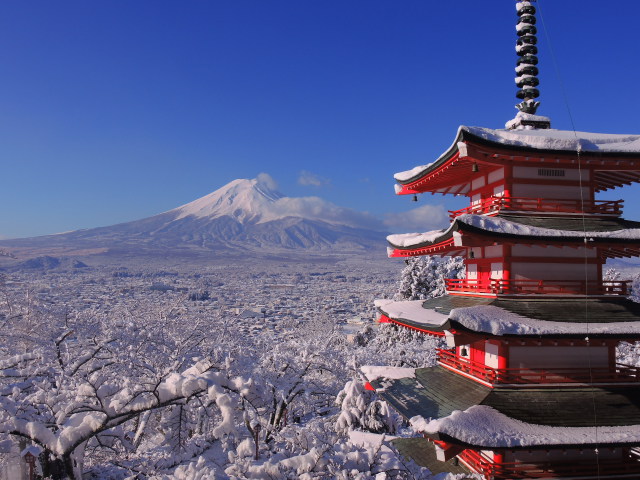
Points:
[[244, 214], [247, 201]]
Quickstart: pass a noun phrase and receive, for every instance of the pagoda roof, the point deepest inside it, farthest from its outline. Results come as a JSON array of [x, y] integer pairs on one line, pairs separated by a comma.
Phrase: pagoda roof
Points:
[[501, 146], [602, 317], [558, 230], [421, 451], [446, 406]]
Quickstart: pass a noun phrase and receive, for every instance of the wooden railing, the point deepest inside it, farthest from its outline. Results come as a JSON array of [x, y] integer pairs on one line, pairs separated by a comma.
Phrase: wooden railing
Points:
[[541, 205], [585, 468], [621, 373], [532, 287]]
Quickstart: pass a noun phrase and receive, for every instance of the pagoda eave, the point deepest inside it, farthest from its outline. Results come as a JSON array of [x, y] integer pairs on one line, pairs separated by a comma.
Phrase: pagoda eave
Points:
[[540, 337], [470, 230], [435, 330], [485, 427], [451, 408], [473, 152], [463, 335], [451, 440], [445, 248], [484, 318]]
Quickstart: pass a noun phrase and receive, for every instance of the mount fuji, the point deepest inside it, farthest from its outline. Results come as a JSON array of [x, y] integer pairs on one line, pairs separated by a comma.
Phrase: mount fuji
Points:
[[245, 215]]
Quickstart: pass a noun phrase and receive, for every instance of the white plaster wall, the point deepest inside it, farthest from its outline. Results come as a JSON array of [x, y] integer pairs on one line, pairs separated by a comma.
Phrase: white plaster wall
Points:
[[493, 251], [564, 252], [478, 182], [562, 192], [472, 271], [491, 355], [496, 175], [532, 172], [557, 357], [554, 271], [496, 270]]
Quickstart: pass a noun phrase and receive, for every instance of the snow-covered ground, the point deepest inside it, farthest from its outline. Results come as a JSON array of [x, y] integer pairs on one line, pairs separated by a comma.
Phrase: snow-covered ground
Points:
[[168, 371], [158, 370]]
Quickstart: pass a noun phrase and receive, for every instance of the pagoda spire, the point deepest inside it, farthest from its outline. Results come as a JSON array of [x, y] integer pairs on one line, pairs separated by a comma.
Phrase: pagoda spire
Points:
[[527, 70]]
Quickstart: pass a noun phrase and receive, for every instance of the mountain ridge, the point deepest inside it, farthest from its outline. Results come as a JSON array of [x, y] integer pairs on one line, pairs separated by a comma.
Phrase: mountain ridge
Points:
[[243, 215]]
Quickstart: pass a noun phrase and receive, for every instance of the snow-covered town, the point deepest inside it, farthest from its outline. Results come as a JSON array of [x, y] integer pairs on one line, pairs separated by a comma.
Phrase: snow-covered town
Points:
[[253, 298], [132, 340]]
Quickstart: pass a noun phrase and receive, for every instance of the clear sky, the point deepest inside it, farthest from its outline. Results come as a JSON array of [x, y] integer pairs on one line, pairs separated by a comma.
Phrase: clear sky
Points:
[[116, 110]]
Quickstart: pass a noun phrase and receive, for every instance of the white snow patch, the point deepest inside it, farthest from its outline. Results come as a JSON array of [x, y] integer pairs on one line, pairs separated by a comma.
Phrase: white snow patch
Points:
[[412, 310], [410, 239], [373, 372], [381, 302], [551, 139], [497, 321], [543, 139], [502, 225], [408, 174], [484, 426], [368, 439]]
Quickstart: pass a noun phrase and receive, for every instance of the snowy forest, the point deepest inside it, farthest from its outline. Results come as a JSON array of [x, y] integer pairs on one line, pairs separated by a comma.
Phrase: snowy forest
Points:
[[155, 389]]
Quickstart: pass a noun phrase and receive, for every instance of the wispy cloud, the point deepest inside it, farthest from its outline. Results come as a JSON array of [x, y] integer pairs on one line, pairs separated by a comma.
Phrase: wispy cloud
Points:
[[312, 179], [421, 219], [320, 209], [267, 180]]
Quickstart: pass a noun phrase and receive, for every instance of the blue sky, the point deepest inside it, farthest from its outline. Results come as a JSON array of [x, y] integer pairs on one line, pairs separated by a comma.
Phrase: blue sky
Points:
[[114, 111]]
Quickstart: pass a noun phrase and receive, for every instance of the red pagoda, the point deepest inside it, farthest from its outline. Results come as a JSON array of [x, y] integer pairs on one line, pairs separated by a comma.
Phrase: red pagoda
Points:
[[528, 386]]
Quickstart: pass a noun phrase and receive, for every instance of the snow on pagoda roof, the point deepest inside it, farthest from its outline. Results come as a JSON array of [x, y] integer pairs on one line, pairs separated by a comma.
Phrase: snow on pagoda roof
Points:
[[411, 310], [375, 372], [548, 140], [514, 226], [484, 426], [491, 319], [559, 140], [498, 321]]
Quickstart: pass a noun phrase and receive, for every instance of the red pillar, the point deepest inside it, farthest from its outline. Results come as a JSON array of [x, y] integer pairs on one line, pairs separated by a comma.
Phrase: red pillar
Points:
[[503, 356]]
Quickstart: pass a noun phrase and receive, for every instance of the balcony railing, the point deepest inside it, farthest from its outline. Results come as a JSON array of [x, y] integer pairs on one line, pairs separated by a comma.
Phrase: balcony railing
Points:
[[583, 469], [530, 376], [533, 287], [541, 205]]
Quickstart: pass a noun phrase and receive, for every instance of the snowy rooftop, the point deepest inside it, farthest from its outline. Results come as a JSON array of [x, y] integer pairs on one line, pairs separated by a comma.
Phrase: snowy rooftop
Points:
[[483, 425], [451, 407], [500, 317], [560, 140], [542, 140], [498, 321], [522, 226]]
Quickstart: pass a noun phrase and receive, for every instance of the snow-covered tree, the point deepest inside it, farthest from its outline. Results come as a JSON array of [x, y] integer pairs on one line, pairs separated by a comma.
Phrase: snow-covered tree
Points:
[[362, 410], [161, 388], [395, 346], [91, 389], [424, 276]]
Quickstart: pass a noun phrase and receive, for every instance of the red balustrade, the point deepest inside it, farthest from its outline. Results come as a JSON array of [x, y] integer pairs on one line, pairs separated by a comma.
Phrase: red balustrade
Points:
[[532, 287], [496, 204], [621, 373], [587, 468]]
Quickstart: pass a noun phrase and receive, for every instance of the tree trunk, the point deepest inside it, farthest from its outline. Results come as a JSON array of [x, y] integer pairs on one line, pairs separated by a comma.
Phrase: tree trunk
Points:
[[68, 467]]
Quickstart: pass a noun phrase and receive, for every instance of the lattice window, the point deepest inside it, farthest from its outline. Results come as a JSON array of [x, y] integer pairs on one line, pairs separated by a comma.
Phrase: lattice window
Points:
[[550, 172]]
